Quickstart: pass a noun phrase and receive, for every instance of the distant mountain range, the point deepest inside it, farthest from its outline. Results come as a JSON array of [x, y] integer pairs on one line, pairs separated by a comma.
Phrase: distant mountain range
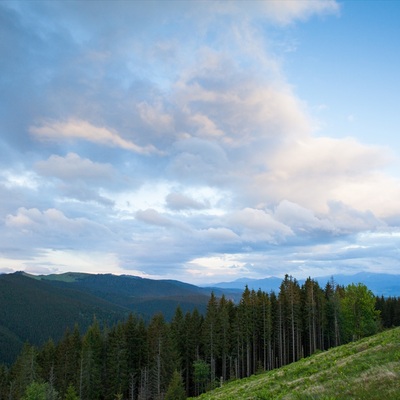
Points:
[[36, 308], [380, 284]]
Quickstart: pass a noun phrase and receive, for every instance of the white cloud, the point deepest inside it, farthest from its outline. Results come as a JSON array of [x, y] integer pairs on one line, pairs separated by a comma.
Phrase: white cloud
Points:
[[25, 179], [72, 167], [80, 129], [254, 225], [243, 185], [234, 108], [215, 268], [318, 170], [285, 12]]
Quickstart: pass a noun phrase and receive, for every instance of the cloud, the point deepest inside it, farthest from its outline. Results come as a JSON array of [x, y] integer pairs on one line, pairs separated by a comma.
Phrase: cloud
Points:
[[221, 235], [79, 129], [155, 117], [53, 224], [72, 168], [171, 143], [314, 171], [81, 178], [84, 193], [197, 160], [285, 12], [179, 201], [223, 103], [349, 220], [301, 219], [153, 217], [254, 225]]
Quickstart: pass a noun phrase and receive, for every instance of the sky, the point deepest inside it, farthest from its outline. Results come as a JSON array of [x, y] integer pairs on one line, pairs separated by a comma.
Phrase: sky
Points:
[[202, 141]]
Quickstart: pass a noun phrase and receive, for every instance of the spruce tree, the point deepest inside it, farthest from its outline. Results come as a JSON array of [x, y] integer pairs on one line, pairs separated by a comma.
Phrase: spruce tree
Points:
[[175, 390], [90, 372], [71, 393]]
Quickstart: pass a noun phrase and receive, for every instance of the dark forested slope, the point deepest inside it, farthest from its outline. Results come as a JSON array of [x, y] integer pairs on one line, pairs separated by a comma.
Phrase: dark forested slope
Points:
[[141, 295], [33, 311], [35, 308]]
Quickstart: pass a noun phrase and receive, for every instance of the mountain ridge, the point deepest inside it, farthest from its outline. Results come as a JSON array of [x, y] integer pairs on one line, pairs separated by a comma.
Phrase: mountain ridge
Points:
[[35, 308], [381, 284]]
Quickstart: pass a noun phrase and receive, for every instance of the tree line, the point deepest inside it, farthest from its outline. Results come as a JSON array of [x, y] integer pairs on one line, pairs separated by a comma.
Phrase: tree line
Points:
[[194, 353]]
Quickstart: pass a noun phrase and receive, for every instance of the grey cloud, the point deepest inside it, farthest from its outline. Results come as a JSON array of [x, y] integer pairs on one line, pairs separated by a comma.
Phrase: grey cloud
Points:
[[349, 220], [81, 192], [222, 235], [153, 217], [301, 219], [258, 226], [5, 270], [34, 225], [72, 168], [178, 201], [199, 160]]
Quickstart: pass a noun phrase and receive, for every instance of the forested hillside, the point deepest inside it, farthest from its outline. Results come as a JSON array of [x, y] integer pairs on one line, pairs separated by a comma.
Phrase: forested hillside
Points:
[[140, 295], [36, 308], [34, 311], [138, 360]]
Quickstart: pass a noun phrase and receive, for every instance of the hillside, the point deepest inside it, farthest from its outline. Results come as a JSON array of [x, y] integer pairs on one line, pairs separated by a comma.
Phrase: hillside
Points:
[[36, 308], [366, 369], [33, 311], [140, 295]]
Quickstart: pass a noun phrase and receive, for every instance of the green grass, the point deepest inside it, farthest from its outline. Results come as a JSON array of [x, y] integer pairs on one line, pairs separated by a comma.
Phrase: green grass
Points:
[[367, 369]]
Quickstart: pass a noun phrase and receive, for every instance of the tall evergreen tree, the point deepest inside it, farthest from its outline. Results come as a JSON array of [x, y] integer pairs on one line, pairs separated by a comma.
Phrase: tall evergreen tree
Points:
[[265, 329], [223, 328], [178, 336], [176, 390], [246, 321], [211, 335], [46, 361], [290, 299], [137, 350], [193, 326], [24, 371], [90, 373], [310, 314], [116, 369], [67, 360], [162, 357]]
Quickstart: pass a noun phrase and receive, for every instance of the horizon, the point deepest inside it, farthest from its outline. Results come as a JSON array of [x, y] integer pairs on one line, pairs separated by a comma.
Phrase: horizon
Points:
[[200, 141], [200, 284]]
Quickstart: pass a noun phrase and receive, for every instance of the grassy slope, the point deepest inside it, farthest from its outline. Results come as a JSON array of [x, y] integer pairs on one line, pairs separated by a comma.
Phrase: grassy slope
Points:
[[367, 369]]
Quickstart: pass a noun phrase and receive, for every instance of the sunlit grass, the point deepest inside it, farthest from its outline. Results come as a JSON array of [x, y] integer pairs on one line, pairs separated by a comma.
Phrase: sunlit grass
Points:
[[367, 369]]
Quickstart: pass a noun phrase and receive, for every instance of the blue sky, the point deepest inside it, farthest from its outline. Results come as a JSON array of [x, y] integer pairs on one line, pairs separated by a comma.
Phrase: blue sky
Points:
[[200, 141]]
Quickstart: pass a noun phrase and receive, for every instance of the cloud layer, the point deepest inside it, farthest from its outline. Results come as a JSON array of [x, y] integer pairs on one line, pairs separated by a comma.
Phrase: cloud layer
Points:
[[163, 139]]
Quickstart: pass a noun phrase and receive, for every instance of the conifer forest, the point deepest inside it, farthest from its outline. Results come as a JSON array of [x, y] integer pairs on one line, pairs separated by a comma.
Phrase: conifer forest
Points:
[[193, 353]]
